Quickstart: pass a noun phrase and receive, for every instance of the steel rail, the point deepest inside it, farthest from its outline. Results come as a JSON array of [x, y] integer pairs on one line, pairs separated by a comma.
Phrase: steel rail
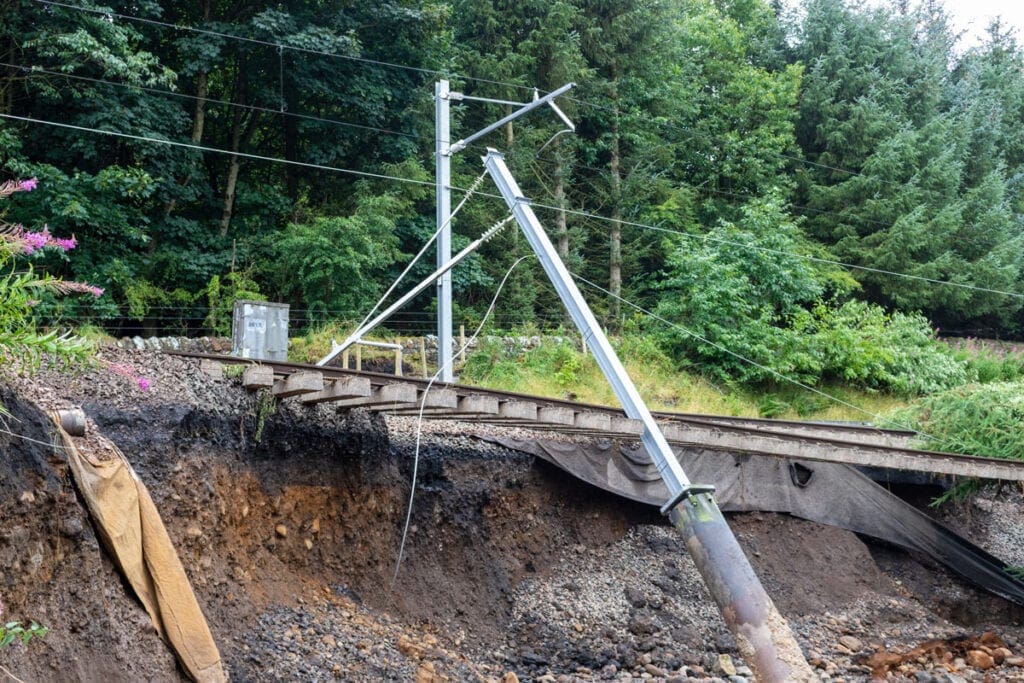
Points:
[[758, 436], [378, 379]]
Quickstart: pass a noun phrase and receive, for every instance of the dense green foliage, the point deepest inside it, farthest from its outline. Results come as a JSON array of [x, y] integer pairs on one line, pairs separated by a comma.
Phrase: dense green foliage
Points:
[[761, 150], [980, 419]]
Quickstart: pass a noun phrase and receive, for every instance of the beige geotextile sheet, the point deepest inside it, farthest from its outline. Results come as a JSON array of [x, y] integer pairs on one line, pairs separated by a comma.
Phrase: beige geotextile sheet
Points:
[[135, 535]]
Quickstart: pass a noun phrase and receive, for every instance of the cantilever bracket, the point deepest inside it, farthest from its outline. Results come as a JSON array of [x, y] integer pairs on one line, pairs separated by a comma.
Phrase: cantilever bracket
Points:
[[688, 490]]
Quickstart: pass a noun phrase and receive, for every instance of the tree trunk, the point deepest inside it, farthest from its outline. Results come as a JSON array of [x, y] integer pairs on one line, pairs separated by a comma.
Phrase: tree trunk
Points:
[[615, 237], [202, 90], [239, 136], [509, 135], [198, 120], [232, 182]]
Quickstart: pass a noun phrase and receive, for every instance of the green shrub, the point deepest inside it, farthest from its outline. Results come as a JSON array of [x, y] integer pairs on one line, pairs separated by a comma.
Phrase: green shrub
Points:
[[748, 309], [978, 419], [771, 405], [221, 296], [860, 344]]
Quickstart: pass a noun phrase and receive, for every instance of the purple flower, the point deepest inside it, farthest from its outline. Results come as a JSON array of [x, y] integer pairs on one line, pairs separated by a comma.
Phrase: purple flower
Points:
[[130, 373], [65, 244], [35, 240], [67, 287], [28, 185]]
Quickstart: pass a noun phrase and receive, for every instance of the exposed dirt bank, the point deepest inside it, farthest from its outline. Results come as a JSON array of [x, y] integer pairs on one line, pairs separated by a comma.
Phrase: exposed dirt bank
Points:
[[511, 565]]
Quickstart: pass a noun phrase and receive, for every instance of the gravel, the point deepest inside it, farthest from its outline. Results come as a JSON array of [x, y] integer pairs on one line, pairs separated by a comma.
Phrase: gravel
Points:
[[585, 587]]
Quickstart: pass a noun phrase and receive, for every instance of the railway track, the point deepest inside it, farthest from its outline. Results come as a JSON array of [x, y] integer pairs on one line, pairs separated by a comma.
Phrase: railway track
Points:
[[860, 445]]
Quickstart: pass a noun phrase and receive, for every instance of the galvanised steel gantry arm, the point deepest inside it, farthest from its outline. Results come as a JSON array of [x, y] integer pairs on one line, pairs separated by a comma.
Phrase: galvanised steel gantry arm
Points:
[[762, 633]]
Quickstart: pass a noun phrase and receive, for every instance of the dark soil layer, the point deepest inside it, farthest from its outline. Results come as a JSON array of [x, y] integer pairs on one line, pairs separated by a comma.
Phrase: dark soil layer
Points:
[[291, 540]]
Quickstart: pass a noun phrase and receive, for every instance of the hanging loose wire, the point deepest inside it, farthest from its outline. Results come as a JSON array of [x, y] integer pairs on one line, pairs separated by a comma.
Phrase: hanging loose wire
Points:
[[423, 403]]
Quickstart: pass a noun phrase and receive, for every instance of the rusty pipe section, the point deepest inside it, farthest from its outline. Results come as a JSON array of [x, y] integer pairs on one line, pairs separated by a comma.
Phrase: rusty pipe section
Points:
[[762, 634]]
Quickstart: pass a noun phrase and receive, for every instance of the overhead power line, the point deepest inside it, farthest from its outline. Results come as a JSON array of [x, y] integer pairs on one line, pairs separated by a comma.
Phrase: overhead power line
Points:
[[435, 72], [34, 70], [769, 250], [267, 43], [574, 212], [216, 150]]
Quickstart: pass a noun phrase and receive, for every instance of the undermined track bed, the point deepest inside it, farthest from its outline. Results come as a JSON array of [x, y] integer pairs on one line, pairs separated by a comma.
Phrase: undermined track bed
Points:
[[289, 519]]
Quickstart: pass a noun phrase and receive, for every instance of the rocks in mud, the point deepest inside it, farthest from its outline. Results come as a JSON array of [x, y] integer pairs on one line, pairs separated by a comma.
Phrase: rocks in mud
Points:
[[725, 665], [71, 526], [980, 660], [333, 638], [851, 643]]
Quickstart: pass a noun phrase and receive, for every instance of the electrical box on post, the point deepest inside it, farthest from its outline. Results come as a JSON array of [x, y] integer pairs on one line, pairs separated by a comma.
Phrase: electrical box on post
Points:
[[259, 330]]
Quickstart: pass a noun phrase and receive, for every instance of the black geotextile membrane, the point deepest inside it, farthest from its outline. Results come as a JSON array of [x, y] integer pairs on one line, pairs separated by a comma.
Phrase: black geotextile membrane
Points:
[[828, 493]]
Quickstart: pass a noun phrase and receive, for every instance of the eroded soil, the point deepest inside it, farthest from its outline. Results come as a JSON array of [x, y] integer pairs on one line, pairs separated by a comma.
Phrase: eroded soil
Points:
[[510, 565]]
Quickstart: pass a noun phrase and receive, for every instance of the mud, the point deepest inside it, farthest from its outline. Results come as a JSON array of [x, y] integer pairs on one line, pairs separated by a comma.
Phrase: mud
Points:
[[511, 565]]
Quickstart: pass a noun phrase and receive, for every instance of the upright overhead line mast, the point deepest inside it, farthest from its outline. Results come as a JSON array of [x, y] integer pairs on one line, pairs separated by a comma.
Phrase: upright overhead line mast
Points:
[[443, 174], [443, 151]]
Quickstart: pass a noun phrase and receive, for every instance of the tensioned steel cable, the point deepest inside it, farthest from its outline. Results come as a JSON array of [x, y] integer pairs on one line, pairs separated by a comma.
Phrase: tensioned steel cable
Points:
[[216, 150], [131, 17], [741, 357], [257, 41], [32, 70], [692, 131], [219, 34], [469, 193], [549, 207]]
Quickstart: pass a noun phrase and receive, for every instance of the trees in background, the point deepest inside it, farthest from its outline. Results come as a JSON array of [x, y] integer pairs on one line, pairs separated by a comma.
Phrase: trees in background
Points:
[[910, 172], [860, 135]]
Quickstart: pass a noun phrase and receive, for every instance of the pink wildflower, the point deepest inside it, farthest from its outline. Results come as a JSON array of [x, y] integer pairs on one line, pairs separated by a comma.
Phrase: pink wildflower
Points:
[[131, 373], [35, 240], [65, 244], [9, 187], [68, 287]]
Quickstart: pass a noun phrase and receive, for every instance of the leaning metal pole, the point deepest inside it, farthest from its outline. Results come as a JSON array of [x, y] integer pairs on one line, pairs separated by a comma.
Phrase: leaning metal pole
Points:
[[764, 638]]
